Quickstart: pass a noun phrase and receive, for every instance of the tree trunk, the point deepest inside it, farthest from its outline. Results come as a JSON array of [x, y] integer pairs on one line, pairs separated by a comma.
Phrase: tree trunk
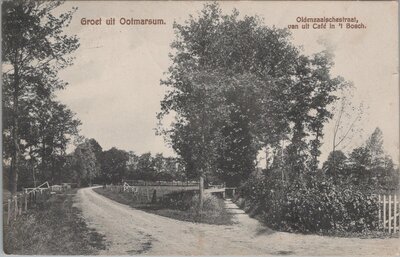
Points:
[[201, 189], [15, 149], [34, 177], [282, 161], [13, 173]]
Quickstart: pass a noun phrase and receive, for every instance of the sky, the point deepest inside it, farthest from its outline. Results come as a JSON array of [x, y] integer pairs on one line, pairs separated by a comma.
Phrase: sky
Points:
[[114, 84]]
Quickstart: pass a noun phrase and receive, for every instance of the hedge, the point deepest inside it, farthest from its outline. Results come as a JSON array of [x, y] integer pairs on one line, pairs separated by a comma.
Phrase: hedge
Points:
[[313, 205]]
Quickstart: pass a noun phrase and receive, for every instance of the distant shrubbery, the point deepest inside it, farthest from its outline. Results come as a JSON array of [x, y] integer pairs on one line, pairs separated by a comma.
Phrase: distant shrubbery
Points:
[[313, 205], [187, 202], [181, 200]]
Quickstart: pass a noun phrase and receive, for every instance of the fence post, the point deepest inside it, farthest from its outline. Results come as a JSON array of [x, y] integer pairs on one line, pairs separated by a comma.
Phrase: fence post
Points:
[[20, 207], [384, 212], [26, 201], [16, 208], [390, 214], [8, 211], [379, 210], [395, 214]]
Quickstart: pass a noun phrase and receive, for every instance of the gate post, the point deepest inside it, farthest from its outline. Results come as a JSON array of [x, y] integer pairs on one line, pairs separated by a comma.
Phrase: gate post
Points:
[[390, 214], [8, 211], [384, 212], [379, 210], [395, 214], [26, 201], [15, 207]]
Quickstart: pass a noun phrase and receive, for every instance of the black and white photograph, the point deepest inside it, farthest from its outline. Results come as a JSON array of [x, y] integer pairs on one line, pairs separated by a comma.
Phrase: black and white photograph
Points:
[[200, 128]]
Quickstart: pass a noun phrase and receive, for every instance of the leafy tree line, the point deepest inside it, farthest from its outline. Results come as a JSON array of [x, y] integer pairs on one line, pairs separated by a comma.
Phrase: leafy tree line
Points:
[[36, 127], [89, 164]]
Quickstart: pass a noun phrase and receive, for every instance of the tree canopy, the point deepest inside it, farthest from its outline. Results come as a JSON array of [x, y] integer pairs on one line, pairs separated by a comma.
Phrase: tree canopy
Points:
[[236, 86]]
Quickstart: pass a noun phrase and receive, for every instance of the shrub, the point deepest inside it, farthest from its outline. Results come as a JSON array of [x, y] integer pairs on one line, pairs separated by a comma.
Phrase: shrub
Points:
[[187, 203], [312, 205], [211, 204], [181, 200], [189, 200]]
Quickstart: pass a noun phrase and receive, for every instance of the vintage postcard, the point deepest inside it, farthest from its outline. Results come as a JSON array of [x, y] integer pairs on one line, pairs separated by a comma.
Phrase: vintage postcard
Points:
[[200, 128]]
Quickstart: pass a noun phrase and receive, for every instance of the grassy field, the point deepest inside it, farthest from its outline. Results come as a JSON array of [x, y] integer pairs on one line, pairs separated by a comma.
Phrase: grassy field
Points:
[[53, 228], [214, 211]]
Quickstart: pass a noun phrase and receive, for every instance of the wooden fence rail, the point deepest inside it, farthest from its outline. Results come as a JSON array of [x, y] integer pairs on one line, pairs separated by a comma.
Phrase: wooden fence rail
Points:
[[389, 213], [161, 183], [20, 203], [148, 193]]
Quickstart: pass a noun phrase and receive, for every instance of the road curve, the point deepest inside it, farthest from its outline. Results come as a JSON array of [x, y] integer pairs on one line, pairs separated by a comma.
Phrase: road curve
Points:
[[130, 231]]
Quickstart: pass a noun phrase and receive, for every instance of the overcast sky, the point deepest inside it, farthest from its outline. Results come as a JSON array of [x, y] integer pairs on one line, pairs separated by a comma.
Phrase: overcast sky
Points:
[[114, 82]]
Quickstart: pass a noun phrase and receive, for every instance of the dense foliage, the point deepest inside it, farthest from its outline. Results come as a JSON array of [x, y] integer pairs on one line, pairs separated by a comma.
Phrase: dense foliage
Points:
[[236, 86], [213, 210], [89, 163], [340, 197], [316, 206]]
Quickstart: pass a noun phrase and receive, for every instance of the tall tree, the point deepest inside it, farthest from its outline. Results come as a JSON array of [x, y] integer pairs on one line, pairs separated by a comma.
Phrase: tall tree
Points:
[[34, 49], [346, 117], [86, 164], [374, 145], [195, 135], [256, 89], [146, 167], [47, 130], [336, 167], [311, 91], [97, 149], [371, 167], [114, 165]]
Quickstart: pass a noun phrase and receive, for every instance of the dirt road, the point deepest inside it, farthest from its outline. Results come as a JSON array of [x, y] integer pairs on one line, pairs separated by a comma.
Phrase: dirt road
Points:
[[129, 231]]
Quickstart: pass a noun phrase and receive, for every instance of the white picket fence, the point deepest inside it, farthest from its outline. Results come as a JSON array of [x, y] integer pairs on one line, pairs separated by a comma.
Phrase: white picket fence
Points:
[[389, 213]]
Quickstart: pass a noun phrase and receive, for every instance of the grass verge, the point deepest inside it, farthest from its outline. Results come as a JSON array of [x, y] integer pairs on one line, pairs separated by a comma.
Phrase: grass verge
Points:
[[214, 211], [52, 228]]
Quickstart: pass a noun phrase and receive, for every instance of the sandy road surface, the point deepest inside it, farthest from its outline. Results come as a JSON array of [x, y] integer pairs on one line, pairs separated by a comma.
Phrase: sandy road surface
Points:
[[129, 231]]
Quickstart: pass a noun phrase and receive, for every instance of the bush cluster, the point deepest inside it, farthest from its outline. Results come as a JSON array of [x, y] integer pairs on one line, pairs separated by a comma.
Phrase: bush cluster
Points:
[[189, 200], [180, 200], [187, 203], [312, 205], [211, 204]]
